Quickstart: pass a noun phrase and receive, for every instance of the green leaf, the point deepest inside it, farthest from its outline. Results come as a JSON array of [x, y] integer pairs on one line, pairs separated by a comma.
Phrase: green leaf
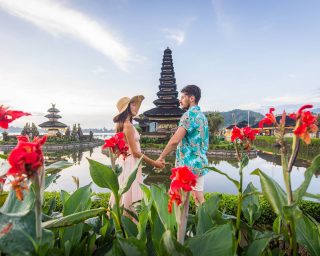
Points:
[[13, 205], [21, 233], [257, 247], [308, 174], [49, 179], [250, 204], [216, 241], [129, 227], [73, 219], [132, 246], [208, 214], [235, 182], [57, 166], [308, 234], [103, 176], [131, 178], [77, 202], [160, 201], [244, 160], [170, 247], [143, 221], [272, 191], [64, 195]]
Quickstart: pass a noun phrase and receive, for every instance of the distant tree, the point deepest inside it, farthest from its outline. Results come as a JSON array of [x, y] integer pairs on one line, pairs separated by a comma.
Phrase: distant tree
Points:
[[67, 134], [5, 136], [34, 131], [215, 122], [59, 134], [90, 136], [26, 130], [74, 133], [79, 132]]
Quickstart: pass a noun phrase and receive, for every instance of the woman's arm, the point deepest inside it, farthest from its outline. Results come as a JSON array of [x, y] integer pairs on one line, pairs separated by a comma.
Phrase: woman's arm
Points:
[[128, 131]]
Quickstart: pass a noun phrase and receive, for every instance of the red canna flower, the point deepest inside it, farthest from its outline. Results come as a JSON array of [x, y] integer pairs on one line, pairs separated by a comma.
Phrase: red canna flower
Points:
[[236, 134], [7, 116], [26, 157], [269, 119], [245, 134], [25, 161], [182, 180], [117, 144], [305, 123]]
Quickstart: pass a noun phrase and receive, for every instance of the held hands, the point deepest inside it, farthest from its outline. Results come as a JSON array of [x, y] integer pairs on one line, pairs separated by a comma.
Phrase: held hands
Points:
[[159, 164]]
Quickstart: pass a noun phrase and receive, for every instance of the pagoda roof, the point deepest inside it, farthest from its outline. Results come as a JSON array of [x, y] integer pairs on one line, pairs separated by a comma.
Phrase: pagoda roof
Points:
[[52, 115], [52, 124], [166, 102], [167, 93], [167, 51], [53, 110], [164, 112]]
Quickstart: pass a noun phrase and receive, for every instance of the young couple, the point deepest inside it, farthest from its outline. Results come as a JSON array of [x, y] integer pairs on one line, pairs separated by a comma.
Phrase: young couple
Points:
[[190, 141]]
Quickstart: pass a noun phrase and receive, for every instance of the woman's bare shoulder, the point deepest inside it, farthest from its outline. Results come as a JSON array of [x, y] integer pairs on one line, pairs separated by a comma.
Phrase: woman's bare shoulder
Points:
[[127, 124]]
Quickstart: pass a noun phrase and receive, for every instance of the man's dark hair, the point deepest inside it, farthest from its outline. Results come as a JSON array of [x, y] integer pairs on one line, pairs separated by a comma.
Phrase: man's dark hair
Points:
[[192, 90]]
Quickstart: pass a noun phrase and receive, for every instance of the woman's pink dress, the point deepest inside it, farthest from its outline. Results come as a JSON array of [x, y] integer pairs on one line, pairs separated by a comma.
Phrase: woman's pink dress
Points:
[[134, 194]]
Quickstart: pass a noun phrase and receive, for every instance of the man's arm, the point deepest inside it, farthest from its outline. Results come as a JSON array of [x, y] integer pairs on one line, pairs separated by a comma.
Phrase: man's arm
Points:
[[173, 142]]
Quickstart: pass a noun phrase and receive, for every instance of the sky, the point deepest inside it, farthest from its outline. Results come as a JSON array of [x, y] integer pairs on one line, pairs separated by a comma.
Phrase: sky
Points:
[[84, 55]]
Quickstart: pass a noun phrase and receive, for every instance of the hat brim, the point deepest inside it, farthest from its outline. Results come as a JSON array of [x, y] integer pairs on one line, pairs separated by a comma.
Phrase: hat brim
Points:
[[137, 99]]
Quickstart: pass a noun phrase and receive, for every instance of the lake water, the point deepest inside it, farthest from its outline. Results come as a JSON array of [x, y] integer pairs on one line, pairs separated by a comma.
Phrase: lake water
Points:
[[213, 181]]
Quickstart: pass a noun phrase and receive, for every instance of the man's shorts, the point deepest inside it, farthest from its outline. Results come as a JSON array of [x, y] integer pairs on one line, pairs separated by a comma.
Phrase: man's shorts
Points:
[[200, 184]]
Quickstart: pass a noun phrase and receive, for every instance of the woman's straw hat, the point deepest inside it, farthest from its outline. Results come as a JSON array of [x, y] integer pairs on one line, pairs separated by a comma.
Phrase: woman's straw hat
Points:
[[124, 102]]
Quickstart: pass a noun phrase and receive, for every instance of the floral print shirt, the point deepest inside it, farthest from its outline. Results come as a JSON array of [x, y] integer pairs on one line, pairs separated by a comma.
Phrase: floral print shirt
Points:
[[192, 150]]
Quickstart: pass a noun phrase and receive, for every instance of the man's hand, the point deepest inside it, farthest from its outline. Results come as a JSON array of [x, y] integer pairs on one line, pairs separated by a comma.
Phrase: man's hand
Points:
[[159, 164]]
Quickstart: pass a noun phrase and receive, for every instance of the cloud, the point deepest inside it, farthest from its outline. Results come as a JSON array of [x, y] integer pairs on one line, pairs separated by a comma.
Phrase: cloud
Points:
[[177, 36], [251, 105], [293, 99], [222, 19], [58, 19]]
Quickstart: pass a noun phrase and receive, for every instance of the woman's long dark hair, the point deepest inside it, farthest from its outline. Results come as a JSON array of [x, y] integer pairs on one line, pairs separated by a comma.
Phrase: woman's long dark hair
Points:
[[122, 118]]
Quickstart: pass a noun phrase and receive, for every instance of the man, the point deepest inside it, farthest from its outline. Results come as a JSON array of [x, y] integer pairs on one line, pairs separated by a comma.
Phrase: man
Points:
[[191, 140]]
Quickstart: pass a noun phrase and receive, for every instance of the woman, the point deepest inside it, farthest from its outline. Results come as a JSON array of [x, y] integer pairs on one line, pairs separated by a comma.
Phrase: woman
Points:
[[128, 108]]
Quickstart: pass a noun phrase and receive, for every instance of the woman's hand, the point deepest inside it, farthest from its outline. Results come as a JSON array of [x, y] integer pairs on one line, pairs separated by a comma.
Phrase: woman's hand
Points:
[[159, 164]]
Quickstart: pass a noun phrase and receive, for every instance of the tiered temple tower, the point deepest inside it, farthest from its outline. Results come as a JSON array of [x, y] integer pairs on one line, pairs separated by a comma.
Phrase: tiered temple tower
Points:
[[53, 125], [167, 113]]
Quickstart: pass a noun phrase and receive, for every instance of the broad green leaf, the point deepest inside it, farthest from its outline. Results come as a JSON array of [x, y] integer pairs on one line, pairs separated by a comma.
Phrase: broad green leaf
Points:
[[21, 233], [157, 229], [77, 202], [257, 247], [308, 234], [126, 186], [147, 193], [272, 191], [103, 176], [13, 205], [160, 201], [57, 166], [216, 241], [208, 214], [250, 204], [49, 179], [132, 246], [143, 221], [129, 227], [235, 182], [170, 247], [244, 160], [317, 196], [308, 174], [73, 219], [64, 195]]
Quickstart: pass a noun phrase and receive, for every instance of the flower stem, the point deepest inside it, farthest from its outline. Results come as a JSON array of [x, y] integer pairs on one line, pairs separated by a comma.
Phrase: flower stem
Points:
[[183, 220], [37, 206], [239, 209]]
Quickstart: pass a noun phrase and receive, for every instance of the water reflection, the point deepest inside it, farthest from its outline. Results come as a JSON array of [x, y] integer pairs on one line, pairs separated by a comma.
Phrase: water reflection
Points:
[[214, 182]]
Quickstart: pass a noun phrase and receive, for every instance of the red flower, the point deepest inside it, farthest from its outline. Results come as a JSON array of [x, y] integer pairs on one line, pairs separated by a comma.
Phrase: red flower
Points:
[[7, 116], [236, 134], [26, 157], [306, 123], [25, 161], [269, 119], [117, 144], [182, 180]]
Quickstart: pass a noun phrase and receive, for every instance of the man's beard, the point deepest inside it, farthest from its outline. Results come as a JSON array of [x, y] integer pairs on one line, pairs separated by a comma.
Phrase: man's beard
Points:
[[185, 108]]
